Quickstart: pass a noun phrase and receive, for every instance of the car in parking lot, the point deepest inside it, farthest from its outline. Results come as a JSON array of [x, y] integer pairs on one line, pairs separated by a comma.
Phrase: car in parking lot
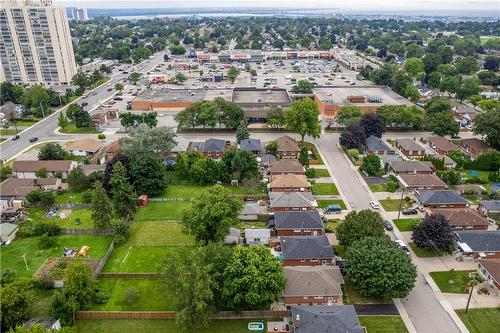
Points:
[[33, 139], [374, 205], [388, 226], [409, 211]]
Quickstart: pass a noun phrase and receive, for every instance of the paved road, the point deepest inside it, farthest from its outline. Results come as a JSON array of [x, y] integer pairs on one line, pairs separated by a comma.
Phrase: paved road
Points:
[[44, 129]]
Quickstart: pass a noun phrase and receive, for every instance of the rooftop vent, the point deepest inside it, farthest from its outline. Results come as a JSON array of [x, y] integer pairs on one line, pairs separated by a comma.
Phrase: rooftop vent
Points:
[[374, 99]]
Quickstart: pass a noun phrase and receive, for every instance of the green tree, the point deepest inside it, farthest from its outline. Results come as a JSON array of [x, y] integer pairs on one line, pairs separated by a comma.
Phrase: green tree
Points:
[[39, 197], [437, 104], [121, 230], [469, 87], [211, 215], [303, 87], [206, 171], [180, 77], [272, 147], [434, 233], [275, 117], [101, 208], [62, 120], [123, 196], [52, 151], [177, 49], [10, 92], [378, 268], [232, 73], [229, 114], [143, 140], [442, 124], [119, 87], [134, 77], [371, 165], [148, 174], [348, 115], [79, 285], [467, 65], [242, 132], [63, 308], [77, 179], [414, 66], [36, 99], [302, 117], [304, 156], [41, 173], [17, 300], [358, 225], [81, 80], [450, 177], [488, 124], [253, 279]]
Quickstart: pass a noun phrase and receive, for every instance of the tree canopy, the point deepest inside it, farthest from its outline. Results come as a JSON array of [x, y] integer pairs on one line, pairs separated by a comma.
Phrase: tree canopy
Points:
[[143, 140], [302, 118], [358, 225], [52, 151], [434, 233]]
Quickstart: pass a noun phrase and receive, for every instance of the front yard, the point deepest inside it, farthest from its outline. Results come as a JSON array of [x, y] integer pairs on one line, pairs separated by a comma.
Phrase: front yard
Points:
[[392, 205], [325, 189], [452, 281], [377, 187], [406, 224], [320, 173], [383, 324], [352, 296], [326, 203], [486, 320], [423, 253]]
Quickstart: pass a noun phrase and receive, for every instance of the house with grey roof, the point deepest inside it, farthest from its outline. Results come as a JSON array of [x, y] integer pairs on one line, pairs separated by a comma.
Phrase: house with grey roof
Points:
[[255, 236], [410, 148], [301, 223], [306, 251], [325, 319], [8, 232], [252, 145], [484, 244], [377, 146], [233, 236], [213, 148], [291, 201], [440, 199], [489, 207], [400, 167], [250, 211]]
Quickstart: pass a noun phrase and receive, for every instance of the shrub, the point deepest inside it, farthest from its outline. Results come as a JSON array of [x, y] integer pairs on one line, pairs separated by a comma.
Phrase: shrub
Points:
[[46, 242], [131, 295], [51, 229], [311, 173], [101, 298], [391, 186], [87, 196], [101, 136], [120, 230], [353, 153]]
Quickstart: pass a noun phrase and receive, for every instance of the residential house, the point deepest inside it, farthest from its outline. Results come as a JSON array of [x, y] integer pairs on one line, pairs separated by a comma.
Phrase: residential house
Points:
[[421, 182], [325, 319], [266, 160], [88, 169], [85, 147], [442, 145], [102, 117], [233, 236], [410, 148], [302, 223], [18, 188], [474, 147], [9, 111], [473, 188], [254, 236], [440, 199], [8, 232], [180, 146], [319, 285], [250, 211], [449, 163], [410, 167], [463, 218], [287, 147], [252, 145], [489, 270], [213, 148], [489, 208], [28, 169], [291, 201], [306, 251], [289, 183], [478, 244], [286, 167], [377, 146]]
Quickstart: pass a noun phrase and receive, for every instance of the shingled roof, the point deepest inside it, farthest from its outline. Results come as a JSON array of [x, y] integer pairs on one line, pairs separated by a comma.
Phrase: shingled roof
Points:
[[287, 143], [326, 319], [462, 216], [439, 197], [301, 219], [306, 247], [286, 166], [480, 241], [289, 181], [214, 145], [313, 280], [291, 199], [250, 144]]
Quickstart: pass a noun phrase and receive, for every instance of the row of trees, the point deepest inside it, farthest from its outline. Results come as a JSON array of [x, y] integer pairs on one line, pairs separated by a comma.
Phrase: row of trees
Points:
[[356, 133], [74, 114], [211, 113]]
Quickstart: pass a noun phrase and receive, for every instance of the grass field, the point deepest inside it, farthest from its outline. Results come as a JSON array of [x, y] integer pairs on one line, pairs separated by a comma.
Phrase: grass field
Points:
[[69, 197], [149, 295], [159, 210], [352, 296], [392, 205], [406, 224], [377, 187], [140, 259], [383, 324], [325, 203], [193, 190], [10, 131], [159, 233], [85, 216], [452, 281], [72, 129], [26, 123], [11, 256], [422, 253], [41, 300], [481, 174], [486, 320], [321, 173], [325, 189]]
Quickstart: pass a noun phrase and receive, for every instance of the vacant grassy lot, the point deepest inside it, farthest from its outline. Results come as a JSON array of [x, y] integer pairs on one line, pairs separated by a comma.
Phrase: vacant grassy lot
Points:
[[134, 294], [321, 173], [352, 296], [140, 259], [85, 216], [72, 129], [159, 210], [383, 324], [159, 233], [193, 190], [325, 203], [325, 189], [486, 320], [423, 253], [452, 281], [11, 256], [377, 187], [392, 205], [406, 224]]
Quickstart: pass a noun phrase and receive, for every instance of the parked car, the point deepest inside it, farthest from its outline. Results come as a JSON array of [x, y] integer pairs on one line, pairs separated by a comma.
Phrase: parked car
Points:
[[333, 209], [410, 211], [94, 93], [402, 245], [85, 104], [374, 205], [33, 139], [388, 225], [85, 95], [15, 137], [110, 89]]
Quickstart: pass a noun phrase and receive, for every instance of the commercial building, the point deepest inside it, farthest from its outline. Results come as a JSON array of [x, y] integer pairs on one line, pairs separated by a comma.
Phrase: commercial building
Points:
[[256, 102], [368, 98], [241, 56], [80, 14], [35, 43]]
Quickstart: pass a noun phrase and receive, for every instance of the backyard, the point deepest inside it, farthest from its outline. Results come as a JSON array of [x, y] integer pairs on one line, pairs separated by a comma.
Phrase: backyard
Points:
[[84, 216], [161, 210], [69, 197], [324, 189], [326, 203], [452, 281], [406, 224], [193, 190], [486, 320], [158, 233]]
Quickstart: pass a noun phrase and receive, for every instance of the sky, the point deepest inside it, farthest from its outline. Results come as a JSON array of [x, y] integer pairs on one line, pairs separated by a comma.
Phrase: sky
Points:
[[491, 6]]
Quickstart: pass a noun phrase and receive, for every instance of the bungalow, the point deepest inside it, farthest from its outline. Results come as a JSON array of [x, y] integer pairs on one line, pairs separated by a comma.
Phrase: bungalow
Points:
[[252, 145], [325, 319], [8, 232], [306, 251], [440, 199], [474, 146], [181, 145], [489, 270], [410, 167], [266, 160], [291, 201], [449, 163], [478, 244], [85, 147], [410, 148], [421, 182], [28, 169], [489, 207], [286, 167], [257, 236], [306, 223], [376, 146], [213, 148], [18, 188], [319, 285], [287, 147], [289, 183], [463, 218], [441, 145]]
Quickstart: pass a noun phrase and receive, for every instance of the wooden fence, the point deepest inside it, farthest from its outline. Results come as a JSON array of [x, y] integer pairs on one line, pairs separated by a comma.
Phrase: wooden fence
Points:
[[128, 276], [221, 315], [169, 199], [105, 258]]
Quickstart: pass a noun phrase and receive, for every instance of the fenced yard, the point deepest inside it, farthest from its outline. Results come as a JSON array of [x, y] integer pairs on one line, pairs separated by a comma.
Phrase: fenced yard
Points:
[[159, 233], [170, 210], [76, 218]]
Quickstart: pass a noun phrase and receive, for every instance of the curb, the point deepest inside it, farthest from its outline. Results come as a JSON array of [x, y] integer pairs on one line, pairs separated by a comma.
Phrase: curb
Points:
[[404, 316]]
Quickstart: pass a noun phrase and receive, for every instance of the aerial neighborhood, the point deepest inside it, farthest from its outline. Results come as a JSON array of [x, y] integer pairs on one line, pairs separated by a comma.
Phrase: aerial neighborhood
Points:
[[203, 171]]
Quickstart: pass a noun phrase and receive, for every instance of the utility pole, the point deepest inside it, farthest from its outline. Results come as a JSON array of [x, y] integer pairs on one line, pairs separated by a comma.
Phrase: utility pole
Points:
[[470, 295], [401, 202]]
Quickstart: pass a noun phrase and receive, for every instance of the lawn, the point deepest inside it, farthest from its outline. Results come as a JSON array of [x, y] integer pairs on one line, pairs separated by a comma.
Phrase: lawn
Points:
[[26, 123], [392, 205], [85, 216], [481, 174], [161, 210], [352, 296], [340, 250], [325, 203], [486, 320], [452, 281], [139, 259], [377, 187], [72, 129], [69, 197], [158, 233], [325, 189], [423, 253], [193, 190], [321, 173], [383, 324], [11, 256], [41, 300], [149, 295], [159, 326], [11, 131], [331, 225], [312, 148], [406, 224], [251, 224]]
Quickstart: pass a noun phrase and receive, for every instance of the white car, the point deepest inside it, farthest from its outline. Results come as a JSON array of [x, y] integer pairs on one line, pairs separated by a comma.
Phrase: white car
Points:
[[374, 205]]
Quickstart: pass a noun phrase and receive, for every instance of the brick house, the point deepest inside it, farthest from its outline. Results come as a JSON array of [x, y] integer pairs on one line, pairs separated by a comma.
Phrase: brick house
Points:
[[442, 145], [306, 251], [252, 145], [463, 218], [313, 285], [213, 148], [421, 182], [489, 270], [306, 223], [411, 167], [478, 244], [291, 201], [287, 147], [28, 169], [289, 183], [440, 199], [410, 148], [377, 146], [474, 146], [286, 167]]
